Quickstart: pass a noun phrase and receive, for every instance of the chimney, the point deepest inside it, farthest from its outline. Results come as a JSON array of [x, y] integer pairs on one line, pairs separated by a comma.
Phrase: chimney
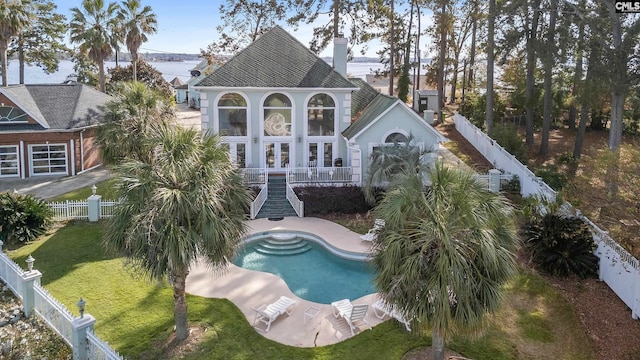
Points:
[[340, 56]]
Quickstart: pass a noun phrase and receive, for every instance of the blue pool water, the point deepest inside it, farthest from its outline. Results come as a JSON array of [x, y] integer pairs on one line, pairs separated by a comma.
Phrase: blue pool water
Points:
[[315, 275]]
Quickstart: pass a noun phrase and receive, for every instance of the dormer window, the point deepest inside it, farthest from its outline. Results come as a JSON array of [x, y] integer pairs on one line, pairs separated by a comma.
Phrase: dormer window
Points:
[[12, 115]]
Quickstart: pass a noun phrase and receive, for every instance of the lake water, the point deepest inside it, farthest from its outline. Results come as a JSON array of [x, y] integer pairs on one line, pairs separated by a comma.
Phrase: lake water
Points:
[[169, 70]]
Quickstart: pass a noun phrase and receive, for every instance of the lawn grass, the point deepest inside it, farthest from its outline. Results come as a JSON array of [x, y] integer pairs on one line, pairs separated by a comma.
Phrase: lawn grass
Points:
[[136, 316], [106, 189]]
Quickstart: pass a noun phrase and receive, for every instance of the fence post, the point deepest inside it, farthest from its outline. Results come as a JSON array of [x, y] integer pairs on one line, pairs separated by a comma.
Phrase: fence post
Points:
[[29, 278], [635, 311], [79, 335], [494, 180], [93, 202]]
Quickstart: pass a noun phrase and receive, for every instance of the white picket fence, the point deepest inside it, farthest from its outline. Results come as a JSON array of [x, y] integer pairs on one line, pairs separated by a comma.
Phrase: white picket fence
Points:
[[617, 267], [75, 331], [79, 209], [530, 184]]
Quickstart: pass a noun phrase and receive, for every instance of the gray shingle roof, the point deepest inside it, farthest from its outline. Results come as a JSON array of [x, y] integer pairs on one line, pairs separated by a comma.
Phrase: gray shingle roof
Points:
[[377, 106], [361, 98], [60, 106], [276, 59]]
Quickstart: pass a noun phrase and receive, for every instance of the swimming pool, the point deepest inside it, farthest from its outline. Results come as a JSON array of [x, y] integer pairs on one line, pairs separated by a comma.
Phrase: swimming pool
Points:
[[309, 269]]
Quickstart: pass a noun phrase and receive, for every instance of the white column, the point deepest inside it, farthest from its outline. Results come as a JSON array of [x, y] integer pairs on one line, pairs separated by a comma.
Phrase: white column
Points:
[[23, 164], [494, 180], [73, 156], [94, 207], [29, 278], [79, 335]]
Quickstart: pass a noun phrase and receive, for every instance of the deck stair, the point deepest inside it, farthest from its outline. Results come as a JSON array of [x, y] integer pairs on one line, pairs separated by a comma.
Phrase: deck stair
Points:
[[277, 205]]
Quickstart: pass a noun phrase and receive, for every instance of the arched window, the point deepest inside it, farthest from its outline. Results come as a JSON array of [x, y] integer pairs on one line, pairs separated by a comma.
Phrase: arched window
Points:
[[321, 111], [10, 114], [232, 113], [396, 137], [277, 115]]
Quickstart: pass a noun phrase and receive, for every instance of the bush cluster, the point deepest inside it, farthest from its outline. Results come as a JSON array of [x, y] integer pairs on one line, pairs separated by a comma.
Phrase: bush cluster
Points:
[[23, 217], [332, 199], [561, 245], [551, 175], [474, 108], [507, 136]]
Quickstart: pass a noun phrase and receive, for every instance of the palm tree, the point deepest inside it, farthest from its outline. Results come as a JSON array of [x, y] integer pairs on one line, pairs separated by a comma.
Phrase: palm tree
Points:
[[137, 23], [387, 161], [129, 118], [92, 27], [14, 17], [445, 252], [186, 202]]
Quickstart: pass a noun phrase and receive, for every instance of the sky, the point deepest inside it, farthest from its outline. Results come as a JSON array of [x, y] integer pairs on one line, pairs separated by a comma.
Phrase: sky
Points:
[[186, 26]]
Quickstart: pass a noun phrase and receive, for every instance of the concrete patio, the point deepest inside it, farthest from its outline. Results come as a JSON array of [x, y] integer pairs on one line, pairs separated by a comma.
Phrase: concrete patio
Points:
[[246, 288]]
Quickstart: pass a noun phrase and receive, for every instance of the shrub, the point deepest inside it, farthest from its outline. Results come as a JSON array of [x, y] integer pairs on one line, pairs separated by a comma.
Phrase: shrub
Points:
[[552, 176], [511, 186], [474, 108], [332, 199], [561, 245], [23, 217], [507, 136]]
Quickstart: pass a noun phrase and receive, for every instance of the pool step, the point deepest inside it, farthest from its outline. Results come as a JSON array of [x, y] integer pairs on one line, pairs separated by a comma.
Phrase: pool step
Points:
[[283, 247]]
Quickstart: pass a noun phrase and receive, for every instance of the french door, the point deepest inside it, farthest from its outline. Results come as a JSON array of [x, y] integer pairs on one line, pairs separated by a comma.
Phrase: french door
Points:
[[277, 154]]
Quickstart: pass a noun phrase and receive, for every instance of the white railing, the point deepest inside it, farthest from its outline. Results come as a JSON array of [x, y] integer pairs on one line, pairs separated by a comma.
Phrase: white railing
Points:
[[55, 314], [295, 202], [530, 184], [255, 176], [99, 349], [315, 175], [70, 209], [257, 203], [617, 267], [11, 273]]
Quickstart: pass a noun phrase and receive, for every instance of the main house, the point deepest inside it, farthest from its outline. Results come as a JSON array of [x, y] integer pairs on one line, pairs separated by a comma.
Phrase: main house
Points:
[[49, 129], [281, 109]]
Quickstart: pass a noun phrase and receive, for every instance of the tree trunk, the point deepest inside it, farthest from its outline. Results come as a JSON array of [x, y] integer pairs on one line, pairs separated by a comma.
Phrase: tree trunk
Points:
[[180, 306], [437, 344], [548, 72], [619, 77], [454, 81], [617, 110], [577, 75], [582, 127], [490, 59], [3, 59], [472, 53], [392, 50], [418, 55], [531, 67], [134, 60], [103, 87], [441, 59], [336, 18], [21, 61]]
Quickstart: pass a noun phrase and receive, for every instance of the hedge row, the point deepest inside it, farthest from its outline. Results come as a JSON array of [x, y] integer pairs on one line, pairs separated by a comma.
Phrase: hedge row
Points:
[[332, 199]]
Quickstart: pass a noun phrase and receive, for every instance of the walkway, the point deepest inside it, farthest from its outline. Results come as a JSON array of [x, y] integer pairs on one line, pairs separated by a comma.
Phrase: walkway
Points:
[[246, 288], [49, 187]]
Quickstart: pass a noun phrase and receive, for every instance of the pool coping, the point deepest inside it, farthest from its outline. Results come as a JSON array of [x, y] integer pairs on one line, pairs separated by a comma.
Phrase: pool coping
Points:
[[247, 288]]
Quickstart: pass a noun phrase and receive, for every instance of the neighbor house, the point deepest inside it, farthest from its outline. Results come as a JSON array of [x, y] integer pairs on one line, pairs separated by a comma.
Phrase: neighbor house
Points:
[[281, 108], [49, 129], [187, 92]]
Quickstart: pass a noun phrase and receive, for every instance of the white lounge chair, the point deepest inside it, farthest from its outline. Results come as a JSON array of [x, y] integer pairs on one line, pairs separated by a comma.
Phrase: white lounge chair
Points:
[[352, 314], [269, 313], [372, 234], [381, 309]]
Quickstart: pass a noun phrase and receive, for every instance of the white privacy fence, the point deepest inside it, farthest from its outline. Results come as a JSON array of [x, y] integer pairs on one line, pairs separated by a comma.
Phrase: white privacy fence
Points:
[[530, 184], [617, 267], [76, 331]]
